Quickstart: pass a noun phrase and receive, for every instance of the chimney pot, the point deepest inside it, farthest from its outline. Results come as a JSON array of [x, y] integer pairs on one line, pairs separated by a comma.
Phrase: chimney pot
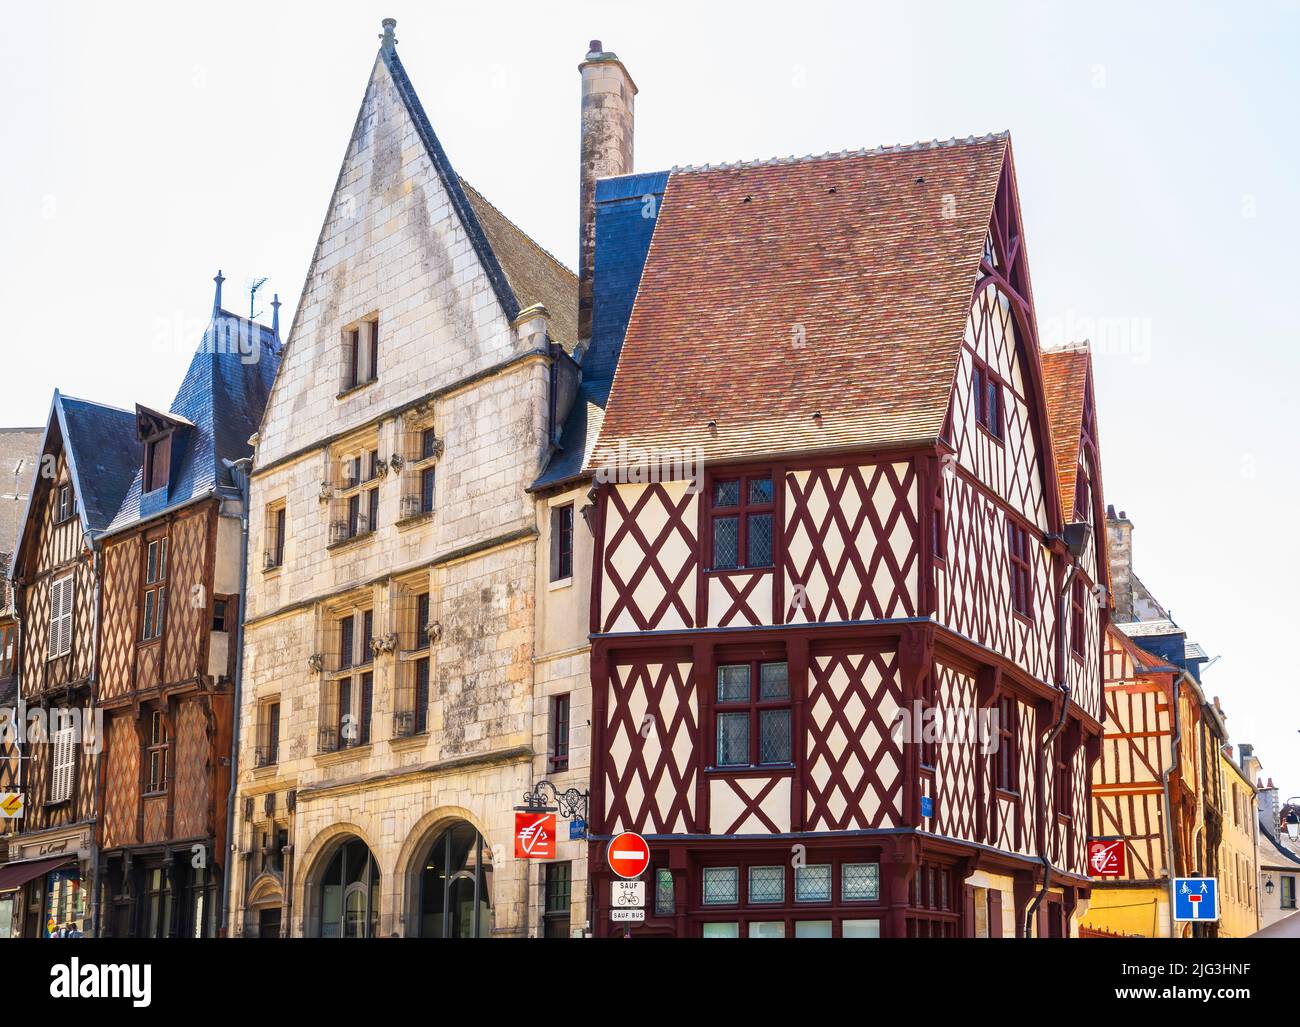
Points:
[[595, 47]]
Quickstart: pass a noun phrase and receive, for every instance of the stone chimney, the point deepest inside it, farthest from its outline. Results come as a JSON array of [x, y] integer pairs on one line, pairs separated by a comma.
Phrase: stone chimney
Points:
[[1268, 808], [1119, 538], [608, 98]]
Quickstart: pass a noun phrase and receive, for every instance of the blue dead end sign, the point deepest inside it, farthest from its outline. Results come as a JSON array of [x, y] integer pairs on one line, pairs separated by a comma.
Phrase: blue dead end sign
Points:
[[1196, 899]]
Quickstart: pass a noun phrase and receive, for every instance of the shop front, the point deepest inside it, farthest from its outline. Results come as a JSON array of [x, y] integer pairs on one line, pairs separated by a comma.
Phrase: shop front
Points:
[[45, 887]]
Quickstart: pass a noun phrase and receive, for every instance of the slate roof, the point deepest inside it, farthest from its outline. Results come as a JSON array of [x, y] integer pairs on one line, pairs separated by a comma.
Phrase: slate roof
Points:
[[625, 207], [1065, 383], [106, 454], [872, 256], [221, 397], [534, 275]]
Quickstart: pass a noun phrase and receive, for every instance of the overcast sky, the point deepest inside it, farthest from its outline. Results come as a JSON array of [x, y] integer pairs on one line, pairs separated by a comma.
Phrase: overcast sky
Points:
[[146, 145]]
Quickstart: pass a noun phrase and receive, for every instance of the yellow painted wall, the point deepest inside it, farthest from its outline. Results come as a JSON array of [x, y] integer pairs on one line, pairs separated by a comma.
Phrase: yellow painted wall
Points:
[[1141, 912], [1238, 856]]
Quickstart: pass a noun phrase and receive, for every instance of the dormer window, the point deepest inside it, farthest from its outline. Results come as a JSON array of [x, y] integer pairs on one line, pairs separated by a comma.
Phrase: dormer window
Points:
[[157, 462]]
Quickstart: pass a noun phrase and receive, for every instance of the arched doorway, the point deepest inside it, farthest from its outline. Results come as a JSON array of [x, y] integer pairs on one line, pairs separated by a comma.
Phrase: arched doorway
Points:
[[456, 885], [349, 893]]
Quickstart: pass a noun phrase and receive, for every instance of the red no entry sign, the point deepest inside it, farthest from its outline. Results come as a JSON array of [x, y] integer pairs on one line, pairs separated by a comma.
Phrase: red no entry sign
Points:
[[629, 855]]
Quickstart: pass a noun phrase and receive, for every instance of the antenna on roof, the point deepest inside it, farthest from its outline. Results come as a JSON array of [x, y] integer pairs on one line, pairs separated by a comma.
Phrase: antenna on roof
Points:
[[253, 286]]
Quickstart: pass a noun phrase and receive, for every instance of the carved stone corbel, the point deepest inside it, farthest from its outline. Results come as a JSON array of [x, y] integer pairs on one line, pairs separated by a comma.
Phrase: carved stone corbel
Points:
[[316, 662]]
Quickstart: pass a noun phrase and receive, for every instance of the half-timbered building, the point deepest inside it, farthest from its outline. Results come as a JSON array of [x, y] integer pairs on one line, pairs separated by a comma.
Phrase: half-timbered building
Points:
[[88, 453], [1157, 787], [17, 471], [846, 645], [171, 562]]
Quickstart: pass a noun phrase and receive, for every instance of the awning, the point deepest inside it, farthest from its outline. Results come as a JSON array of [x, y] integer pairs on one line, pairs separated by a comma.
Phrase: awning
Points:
[[15, 875]]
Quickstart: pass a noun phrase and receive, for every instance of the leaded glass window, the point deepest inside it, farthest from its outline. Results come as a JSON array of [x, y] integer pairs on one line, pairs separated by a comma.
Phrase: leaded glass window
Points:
[[721, 885], [767, 884], [665, 896], [742, 522], [812, 883], [860, 882]]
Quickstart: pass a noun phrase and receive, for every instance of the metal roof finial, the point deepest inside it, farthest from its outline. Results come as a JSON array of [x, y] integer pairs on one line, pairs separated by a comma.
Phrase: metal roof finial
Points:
[[216, 301], [388, 40], [275, 315]]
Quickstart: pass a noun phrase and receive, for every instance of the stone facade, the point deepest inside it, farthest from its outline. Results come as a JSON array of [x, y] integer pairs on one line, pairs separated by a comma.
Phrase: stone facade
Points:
[[337, 745]]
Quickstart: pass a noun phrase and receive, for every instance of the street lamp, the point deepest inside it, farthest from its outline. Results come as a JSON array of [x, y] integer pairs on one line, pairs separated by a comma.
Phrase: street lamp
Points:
[[1268, 885], [1291, 819]]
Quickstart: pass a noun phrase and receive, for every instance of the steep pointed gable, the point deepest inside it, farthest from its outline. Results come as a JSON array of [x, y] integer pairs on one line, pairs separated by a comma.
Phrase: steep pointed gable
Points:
[[104, 454], [215, 411], [451, 182], [841, 286], [1065, 381], [407, 245]]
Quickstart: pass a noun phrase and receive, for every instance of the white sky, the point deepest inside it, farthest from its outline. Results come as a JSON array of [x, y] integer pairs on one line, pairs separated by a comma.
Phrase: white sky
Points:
[[143, 146]]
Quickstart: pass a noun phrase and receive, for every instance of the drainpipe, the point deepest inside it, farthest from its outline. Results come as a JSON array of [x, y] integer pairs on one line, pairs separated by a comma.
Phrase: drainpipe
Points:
[[239, 470], [1057, 728], [1169, 812], [93, 682]]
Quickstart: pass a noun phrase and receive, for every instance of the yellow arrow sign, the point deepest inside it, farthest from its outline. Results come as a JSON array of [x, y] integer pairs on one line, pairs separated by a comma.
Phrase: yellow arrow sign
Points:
[[11, 804]]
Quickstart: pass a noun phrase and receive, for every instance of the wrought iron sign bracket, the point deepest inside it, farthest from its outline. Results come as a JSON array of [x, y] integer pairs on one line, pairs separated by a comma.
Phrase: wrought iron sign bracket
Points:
[[570, 803]]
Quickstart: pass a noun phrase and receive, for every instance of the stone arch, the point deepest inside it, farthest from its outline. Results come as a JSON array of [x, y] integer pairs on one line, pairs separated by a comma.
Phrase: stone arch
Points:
[[315, 860], [410, 859]]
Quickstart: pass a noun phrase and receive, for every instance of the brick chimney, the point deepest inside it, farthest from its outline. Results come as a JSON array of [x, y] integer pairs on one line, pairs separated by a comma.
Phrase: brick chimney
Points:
[[608, 97]]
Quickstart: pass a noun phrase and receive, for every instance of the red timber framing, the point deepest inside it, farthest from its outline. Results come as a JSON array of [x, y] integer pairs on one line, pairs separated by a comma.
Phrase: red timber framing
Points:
[[168, 715], [874, 626]]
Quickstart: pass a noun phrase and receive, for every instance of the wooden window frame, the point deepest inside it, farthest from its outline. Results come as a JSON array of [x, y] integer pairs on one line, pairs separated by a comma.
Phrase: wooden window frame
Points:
[[939, 528], [1021, 570], [8, 647], [63, 591], [268, 733], [558, 735], [1078, 618], [65, 502], [1007, 758], [157, 462], [153, 588], [986, 384], [63, 764], [277, 524], [157, 754], [553, 913], [754, 707], [741, 512], [562, 542]]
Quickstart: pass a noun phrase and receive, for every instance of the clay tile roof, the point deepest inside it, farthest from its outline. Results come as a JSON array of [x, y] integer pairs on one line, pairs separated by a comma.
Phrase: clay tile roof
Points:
[[773, 291], [534, 275], [1065, 382]]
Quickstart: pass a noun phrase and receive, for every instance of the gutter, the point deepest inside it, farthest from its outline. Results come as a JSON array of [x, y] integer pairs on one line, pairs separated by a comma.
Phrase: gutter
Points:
[[1057, 728], [1169, 819], [97, 557], [239, 470]]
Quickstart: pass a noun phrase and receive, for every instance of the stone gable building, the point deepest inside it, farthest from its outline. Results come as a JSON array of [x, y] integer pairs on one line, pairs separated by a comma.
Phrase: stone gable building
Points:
[[415, 628]]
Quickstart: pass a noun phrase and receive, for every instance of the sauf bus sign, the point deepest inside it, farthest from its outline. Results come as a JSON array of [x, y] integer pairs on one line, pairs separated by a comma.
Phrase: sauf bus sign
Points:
[[1106, 858], [534, 835]]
